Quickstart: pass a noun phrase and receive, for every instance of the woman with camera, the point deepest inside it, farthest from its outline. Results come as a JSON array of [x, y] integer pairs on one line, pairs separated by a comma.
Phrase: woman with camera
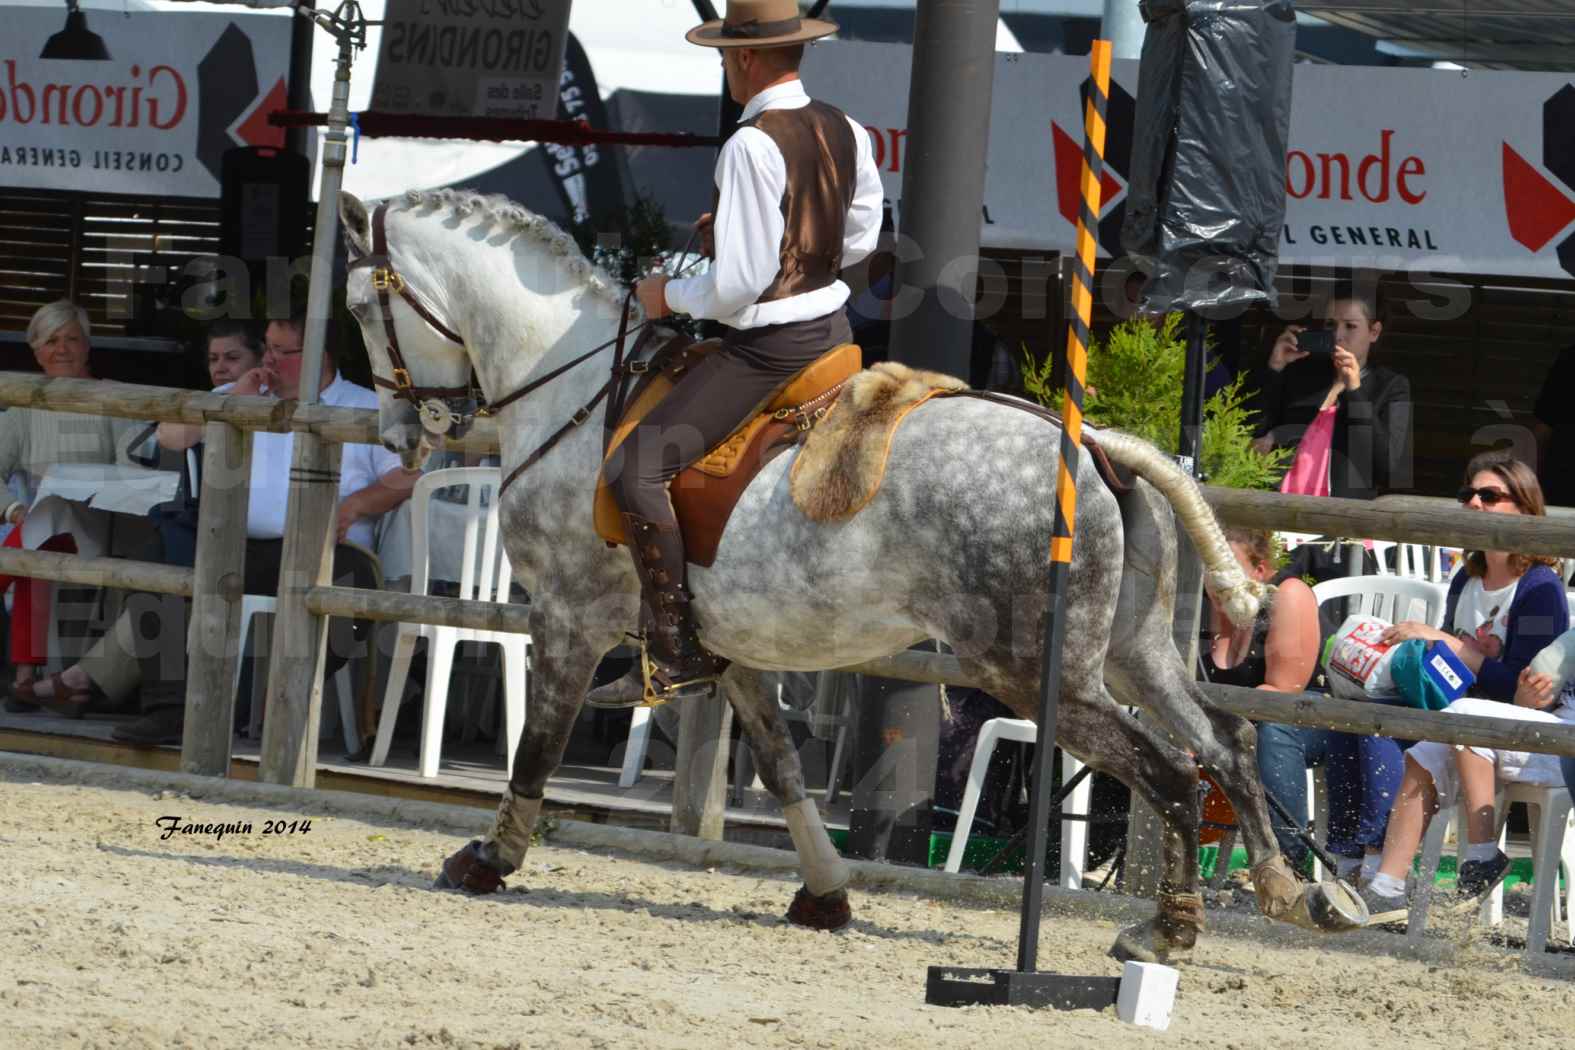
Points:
[[1348, 419]]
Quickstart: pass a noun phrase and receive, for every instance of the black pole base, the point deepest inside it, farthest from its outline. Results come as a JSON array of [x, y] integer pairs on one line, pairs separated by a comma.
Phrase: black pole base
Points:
[[965, 986]]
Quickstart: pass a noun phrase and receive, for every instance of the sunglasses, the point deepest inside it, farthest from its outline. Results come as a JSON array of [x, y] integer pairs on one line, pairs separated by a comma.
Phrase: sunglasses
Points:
[[1489, 497]]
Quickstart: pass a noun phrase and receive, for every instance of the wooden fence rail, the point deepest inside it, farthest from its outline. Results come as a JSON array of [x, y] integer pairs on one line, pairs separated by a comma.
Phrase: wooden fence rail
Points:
[[119, 573], [171, 405], [1301, 709], [1404, 519]]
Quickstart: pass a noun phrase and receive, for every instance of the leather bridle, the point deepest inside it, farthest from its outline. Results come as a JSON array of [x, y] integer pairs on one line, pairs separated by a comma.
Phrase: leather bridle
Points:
[[448, 408], [442, 408]]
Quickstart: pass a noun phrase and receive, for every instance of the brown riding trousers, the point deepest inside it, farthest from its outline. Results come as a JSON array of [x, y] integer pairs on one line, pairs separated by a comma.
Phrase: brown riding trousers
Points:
[[724, 390]]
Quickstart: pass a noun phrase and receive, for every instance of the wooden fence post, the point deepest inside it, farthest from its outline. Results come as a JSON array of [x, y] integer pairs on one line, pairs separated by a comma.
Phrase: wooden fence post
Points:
[[217, 585], [300, 637], [700, 777]]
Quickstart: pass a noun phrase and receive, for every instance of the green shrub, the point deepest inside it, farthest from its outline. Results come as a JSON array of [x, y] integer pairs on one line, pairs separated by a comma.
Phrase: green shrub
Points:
[[1134, 385]]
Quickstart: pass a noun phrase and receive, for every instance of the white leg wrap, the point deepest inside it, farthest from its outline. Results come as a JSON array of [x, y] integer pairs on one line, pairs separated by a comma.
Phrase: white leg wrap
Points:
[[824, 871], [511, 830]]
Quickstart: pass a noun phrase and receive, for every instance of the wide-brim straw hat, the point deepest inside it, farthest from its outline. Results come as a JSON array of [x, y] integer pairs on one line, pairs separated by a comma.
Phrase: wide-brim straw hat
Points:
[[760, 24]]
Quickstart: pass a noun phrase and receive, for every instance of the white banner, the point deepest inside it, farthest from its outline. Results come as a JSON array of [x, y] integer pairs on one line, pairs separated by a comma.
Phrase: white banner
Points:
[[472, 58], [156, 116], [1388, 168]]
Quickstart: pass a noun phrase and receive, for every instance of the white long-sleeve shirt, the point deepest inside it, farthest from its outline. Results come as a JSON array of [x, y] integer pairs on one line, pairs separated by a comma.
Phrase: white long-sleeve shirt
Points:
[[751, 177], [360, 466]]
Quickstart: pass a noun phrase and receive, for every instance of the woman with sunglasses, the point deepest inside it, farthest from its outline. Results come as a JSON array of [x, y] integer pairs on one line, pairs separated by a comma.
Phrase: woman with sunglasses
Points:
[[1502, 610]]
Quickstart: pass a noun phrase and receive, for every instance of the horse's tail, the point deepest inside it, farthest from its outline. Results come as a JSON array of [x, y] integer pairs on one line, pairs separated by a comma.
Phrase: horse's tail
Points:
[[1241, 597]]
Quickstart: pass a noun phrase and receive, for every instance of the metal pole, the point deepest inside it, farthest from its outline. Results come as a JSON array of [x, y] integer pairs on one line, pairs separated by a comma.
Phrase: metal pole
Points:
[[1190, 448], [1039, 814], [1189, 567], [320, 289], [943, 182], [1123, 26], [941, 209]]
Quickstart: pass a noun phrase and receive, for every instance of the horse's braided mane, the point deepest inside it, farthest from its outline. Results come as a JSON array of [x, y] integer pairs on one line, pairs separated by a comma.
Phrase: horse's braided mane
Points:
[[520, 218]]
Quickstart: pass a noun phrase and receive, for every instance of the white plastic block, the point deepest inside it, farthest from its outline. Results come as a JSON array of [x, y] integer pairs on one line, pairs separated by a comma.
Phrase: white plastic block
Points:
[[1148, 993]]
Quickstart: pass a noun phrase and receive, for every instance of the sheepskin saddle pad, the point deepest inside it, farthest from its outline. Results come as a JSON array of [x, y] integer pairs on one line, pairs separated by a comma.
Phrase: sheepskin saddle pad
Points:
[[840, 466]]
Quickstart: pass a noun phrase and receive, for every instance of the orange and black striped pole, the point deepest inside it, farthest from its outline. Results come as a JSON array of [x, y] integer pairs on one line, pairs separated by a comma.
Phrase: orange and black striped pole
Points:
[[1039, 815], [1082, 301]]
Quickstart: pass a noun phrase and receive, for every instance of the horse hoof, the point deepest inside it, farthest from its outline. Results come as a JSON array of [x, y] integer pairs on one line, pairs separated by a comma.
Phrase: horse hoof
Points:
[[830, 912], [469, 871], [1335, 907], [1145, 942], [1324, 907]]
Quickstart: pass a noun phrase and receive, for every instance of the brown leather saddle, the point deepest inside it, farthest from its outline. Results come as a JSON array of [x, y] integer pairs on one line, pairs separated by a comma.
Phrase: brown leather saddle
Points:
[[705, 493]]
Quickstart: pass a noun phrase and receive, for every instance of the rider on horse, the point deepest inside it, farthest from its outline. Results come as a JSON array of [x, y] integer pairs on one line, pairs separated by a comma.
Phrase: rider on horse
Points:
[[797, 198]]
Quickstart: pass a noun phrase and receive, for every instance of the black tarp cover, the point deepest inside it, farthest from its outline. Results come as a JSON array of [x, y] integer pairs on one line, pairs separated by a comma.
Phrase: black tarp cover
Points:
[[1206, 198]]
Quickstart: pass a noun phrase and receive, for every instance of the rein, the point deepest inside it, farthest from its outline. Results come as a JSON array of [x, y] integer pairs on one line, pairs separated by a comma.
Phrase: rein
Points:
[[618, 371]]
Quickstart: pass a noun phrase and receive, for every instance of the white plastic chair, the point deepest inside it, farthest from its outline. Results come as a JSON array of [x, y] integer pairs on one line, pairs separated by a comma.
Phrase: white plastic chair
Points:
[[485, 576], [1553, 849], [1392, 598], [635, 747], [1414, 561], [1074, 833], [253, 605]]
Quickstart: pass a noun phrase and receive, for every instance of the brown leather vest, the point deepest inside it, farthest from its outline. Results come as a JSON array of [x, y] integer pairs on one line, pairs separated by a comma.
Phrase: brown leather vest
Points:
[[822, 168]]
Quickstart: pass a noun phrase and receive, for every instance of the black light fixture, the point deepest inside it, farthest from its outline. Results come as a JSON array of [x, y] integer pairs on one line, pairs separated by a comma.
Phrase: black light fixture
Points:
[[75, 41]]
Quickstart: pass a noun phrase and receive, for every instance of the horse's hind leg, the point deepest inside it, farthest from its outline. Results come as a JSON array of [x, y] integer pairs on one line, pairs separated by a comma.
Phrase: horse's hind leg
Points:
[[822, 902], [560, 675], [1226, 747]]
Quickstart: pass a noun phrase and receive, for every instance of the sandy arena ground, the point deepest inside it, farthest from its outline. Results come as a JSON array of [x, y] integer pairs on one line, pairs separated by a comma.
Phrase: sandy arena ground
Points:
[[112, 937]]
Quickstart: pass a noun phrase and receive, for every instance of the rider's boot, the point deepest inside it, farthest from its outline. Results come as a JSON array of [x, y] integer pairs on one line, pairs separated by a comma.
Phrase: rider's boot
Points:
[[680, 668], [628, 691]]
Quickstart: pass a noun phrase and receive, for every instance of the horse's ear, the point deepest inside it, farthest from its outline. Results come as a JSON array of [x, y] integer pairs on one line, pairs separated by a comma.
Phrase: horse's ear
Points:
[[355, 221]]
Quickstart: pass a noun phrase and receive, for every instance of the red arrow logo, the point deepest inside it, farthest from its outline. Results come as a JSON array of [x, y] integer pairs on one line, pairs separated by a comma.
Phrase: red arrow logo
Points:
[[1535, 208], [255, 129], [1069, 175]]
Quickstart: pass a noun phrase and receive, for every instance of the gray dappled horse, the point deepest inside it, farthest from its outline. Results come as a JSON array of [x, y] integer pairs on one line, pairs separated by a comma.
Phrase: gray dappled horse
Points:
[[953, 547]]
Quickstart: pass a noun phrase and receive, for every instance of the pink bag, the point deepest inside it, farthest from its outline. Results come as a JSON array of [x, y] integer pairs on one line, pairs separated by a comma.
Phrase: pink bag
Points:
[[1309, 473]]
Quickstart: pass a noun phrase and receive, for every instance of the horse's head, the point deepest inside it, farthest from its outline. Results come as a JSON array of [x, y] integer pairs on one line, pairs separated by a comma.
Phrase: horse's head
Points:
[[419, 362]]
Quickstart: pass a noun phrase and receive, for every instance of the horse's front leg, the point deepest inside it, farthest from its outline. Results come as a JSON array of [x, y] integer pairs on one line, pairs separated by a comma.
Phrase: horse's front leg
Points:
[[822, 902], [562, 664]]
